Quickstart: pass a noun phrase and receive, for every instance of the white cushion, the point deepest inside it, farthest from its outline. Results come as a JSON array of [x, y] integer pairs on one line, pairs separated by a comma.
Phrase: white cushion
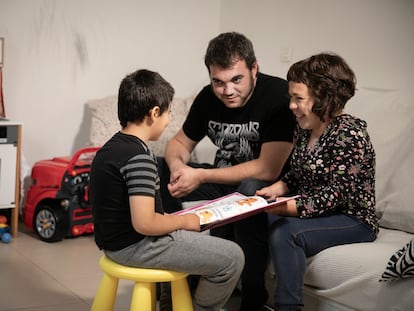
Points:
[[105, 123], [349, 274], [390, 118]]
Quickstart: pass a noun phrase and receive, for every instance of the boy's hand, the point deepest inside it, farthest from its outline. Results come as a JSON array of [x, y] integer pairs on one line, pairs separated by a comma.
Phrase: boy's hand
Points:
[[191, 222]]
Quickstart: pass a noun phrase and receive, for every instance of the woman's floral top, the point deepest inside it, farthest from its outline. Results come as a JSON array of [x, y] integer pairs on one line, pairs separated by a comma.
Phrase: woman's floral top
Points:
[[337, 174]]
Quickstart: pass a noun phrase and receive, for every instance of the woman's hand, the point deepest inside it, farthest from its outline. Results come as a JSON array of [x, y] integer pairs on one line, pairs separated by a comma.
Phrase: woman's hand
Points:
[[273, 191]]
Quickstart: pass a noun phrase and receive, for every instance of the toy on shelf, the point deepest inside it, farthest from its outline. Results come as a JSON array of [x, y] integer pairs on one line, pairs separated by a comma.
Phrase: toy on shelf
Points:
[[4, 230]]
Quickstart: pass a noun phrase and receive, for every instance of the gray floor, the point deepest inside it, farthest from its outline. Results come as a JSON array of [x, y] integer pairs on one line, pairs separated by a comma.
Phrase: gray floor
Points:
[[64, 276]]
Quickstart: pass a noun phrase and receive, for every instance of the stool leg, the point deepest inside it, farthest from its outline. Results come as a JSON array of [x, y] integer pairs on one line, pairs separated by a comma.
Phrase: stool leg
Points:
[[180, 295], [153, 296], [143, 297], [105, 297]]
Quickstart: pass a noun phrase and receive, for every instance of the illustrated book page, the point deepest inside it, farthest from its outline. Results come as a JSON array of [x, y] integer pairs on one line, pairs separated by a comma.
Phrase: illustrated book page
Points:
[[230, 208]]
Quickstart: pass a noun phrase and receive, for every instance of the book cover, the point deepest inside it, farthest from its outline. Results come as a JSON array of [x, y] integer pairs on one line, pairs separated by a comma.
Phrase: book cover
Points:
[[230, 208]]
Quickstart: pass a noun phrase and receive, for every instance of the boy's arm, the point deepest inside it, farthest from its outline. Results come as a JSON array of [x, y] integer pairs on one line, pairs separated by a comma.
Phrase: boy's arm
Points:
[[147, 222]]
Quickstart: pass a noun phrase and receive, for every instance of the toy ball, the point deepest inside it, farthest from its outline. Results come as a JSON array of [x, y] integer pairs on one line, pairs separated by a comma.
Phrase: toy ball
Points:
[[6, 237], [3, 219]]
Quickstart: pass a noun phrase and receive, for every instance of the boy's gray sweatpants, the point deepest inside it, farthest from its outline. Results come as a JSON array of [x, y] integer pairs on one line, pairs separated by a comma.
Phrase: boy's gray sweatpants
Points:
[[219, 262]]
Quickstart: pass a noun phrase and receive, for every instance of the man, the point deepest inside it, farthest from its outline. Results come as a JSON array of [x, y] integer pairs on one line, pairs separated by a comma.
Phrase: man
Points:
[[246, 115]]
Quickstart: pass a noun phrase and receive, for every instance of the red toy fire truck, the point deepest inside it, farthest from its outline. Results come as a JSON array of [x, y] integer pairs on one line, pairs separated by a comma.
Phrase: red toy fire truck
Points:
[[57, 203]]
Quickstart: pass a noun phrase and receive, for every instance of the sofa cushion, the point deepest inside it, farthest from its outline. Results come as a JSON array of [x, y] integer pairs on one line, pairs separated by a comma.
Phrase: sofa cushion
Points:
[[401, 264], [390, 119], [349, 274], [105, 122]]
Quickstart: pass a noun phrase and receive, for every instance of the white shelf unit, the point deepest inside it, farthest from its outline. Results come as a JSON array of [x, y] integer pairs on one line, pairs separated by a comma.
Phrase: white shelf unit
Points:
[[10, 149]]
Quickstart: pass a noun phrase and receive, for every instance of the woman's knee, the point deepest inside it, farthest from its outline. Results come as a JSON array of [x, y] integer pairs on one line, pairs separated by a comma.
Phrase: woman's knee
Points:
[[281, 232]]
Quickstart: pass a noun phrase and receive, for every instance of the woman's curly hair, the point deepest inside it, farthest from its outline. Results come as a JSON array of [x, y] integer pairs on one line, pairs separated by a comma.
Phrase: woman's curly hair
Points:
[[329, 79]]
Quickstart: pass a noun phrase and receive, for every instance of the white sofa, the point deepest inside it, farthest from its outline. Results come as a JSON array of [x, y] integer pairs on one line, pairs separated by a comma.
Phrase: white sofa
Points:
[[347, 277], [342, 277]]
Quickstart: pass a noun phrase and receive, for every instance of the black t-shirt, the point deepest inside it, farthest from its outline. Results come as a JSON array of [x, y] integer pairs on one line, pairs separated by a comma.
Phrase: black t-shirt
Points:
[[240, 132], [123, 167]]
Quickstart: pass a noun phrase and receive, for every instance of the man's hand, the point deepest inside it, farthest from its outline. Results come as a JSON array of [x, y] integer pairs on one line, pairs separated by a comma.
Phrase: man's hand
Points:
[[184, 181]]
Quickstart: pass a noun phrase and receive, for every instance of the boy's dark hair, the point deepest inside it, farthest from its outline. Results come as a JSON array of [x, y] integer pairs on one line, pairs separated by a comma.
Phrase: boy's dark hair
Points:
[[227, 48], [141, 91], [330, 80]]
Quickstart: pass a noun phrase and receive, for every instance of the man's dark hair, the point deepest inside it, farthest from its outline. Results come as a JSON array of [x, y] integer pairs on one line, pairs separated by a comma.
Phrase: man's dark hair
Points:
[[141, 91], [227, 48]]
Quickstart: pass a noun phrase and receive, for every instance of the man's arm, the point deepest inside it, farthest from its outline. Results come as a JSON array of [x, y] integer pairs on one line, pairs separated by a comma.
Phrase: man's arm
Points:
[[267, 167], [178, 150]]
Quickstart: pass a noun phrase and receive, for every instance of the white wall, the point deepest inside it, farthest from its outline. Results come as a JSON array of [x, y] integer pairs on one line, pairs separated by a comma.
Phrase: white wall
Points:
[[374, 36], [59, 54]]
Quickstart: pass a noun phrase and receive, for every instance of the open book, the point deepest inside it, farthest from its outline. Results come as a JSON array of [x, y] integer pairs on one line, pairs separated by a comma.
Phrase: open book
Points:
[[230, 208]]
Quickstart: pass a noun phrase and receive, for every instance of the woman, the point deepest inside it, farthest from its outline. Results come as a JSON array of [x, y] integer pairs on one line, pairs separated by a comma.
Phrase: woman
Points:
[[332, 169]]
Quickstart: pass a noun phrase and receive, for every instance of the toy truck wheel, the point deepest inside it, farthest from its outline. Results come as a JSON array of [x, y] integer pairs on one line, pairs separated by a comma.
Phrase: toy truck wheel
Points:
[[51, 224]]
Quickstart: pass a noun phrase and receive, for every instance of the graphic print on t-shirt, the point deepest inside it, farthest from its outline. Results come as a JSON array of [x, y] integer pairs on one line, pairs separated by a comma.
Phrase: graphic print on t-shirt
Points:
[[237, 142]]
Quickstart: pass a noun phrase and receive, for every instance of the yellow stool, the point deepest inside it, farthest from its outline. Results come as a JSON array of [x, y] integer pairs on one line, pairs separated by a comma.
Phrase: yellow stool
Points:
[[143, 296]]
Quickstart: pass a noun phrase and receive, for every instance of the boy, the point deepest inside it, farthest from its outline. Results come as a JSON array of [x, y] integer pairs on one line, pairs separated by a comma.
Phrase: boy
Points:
[[130, 224]]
